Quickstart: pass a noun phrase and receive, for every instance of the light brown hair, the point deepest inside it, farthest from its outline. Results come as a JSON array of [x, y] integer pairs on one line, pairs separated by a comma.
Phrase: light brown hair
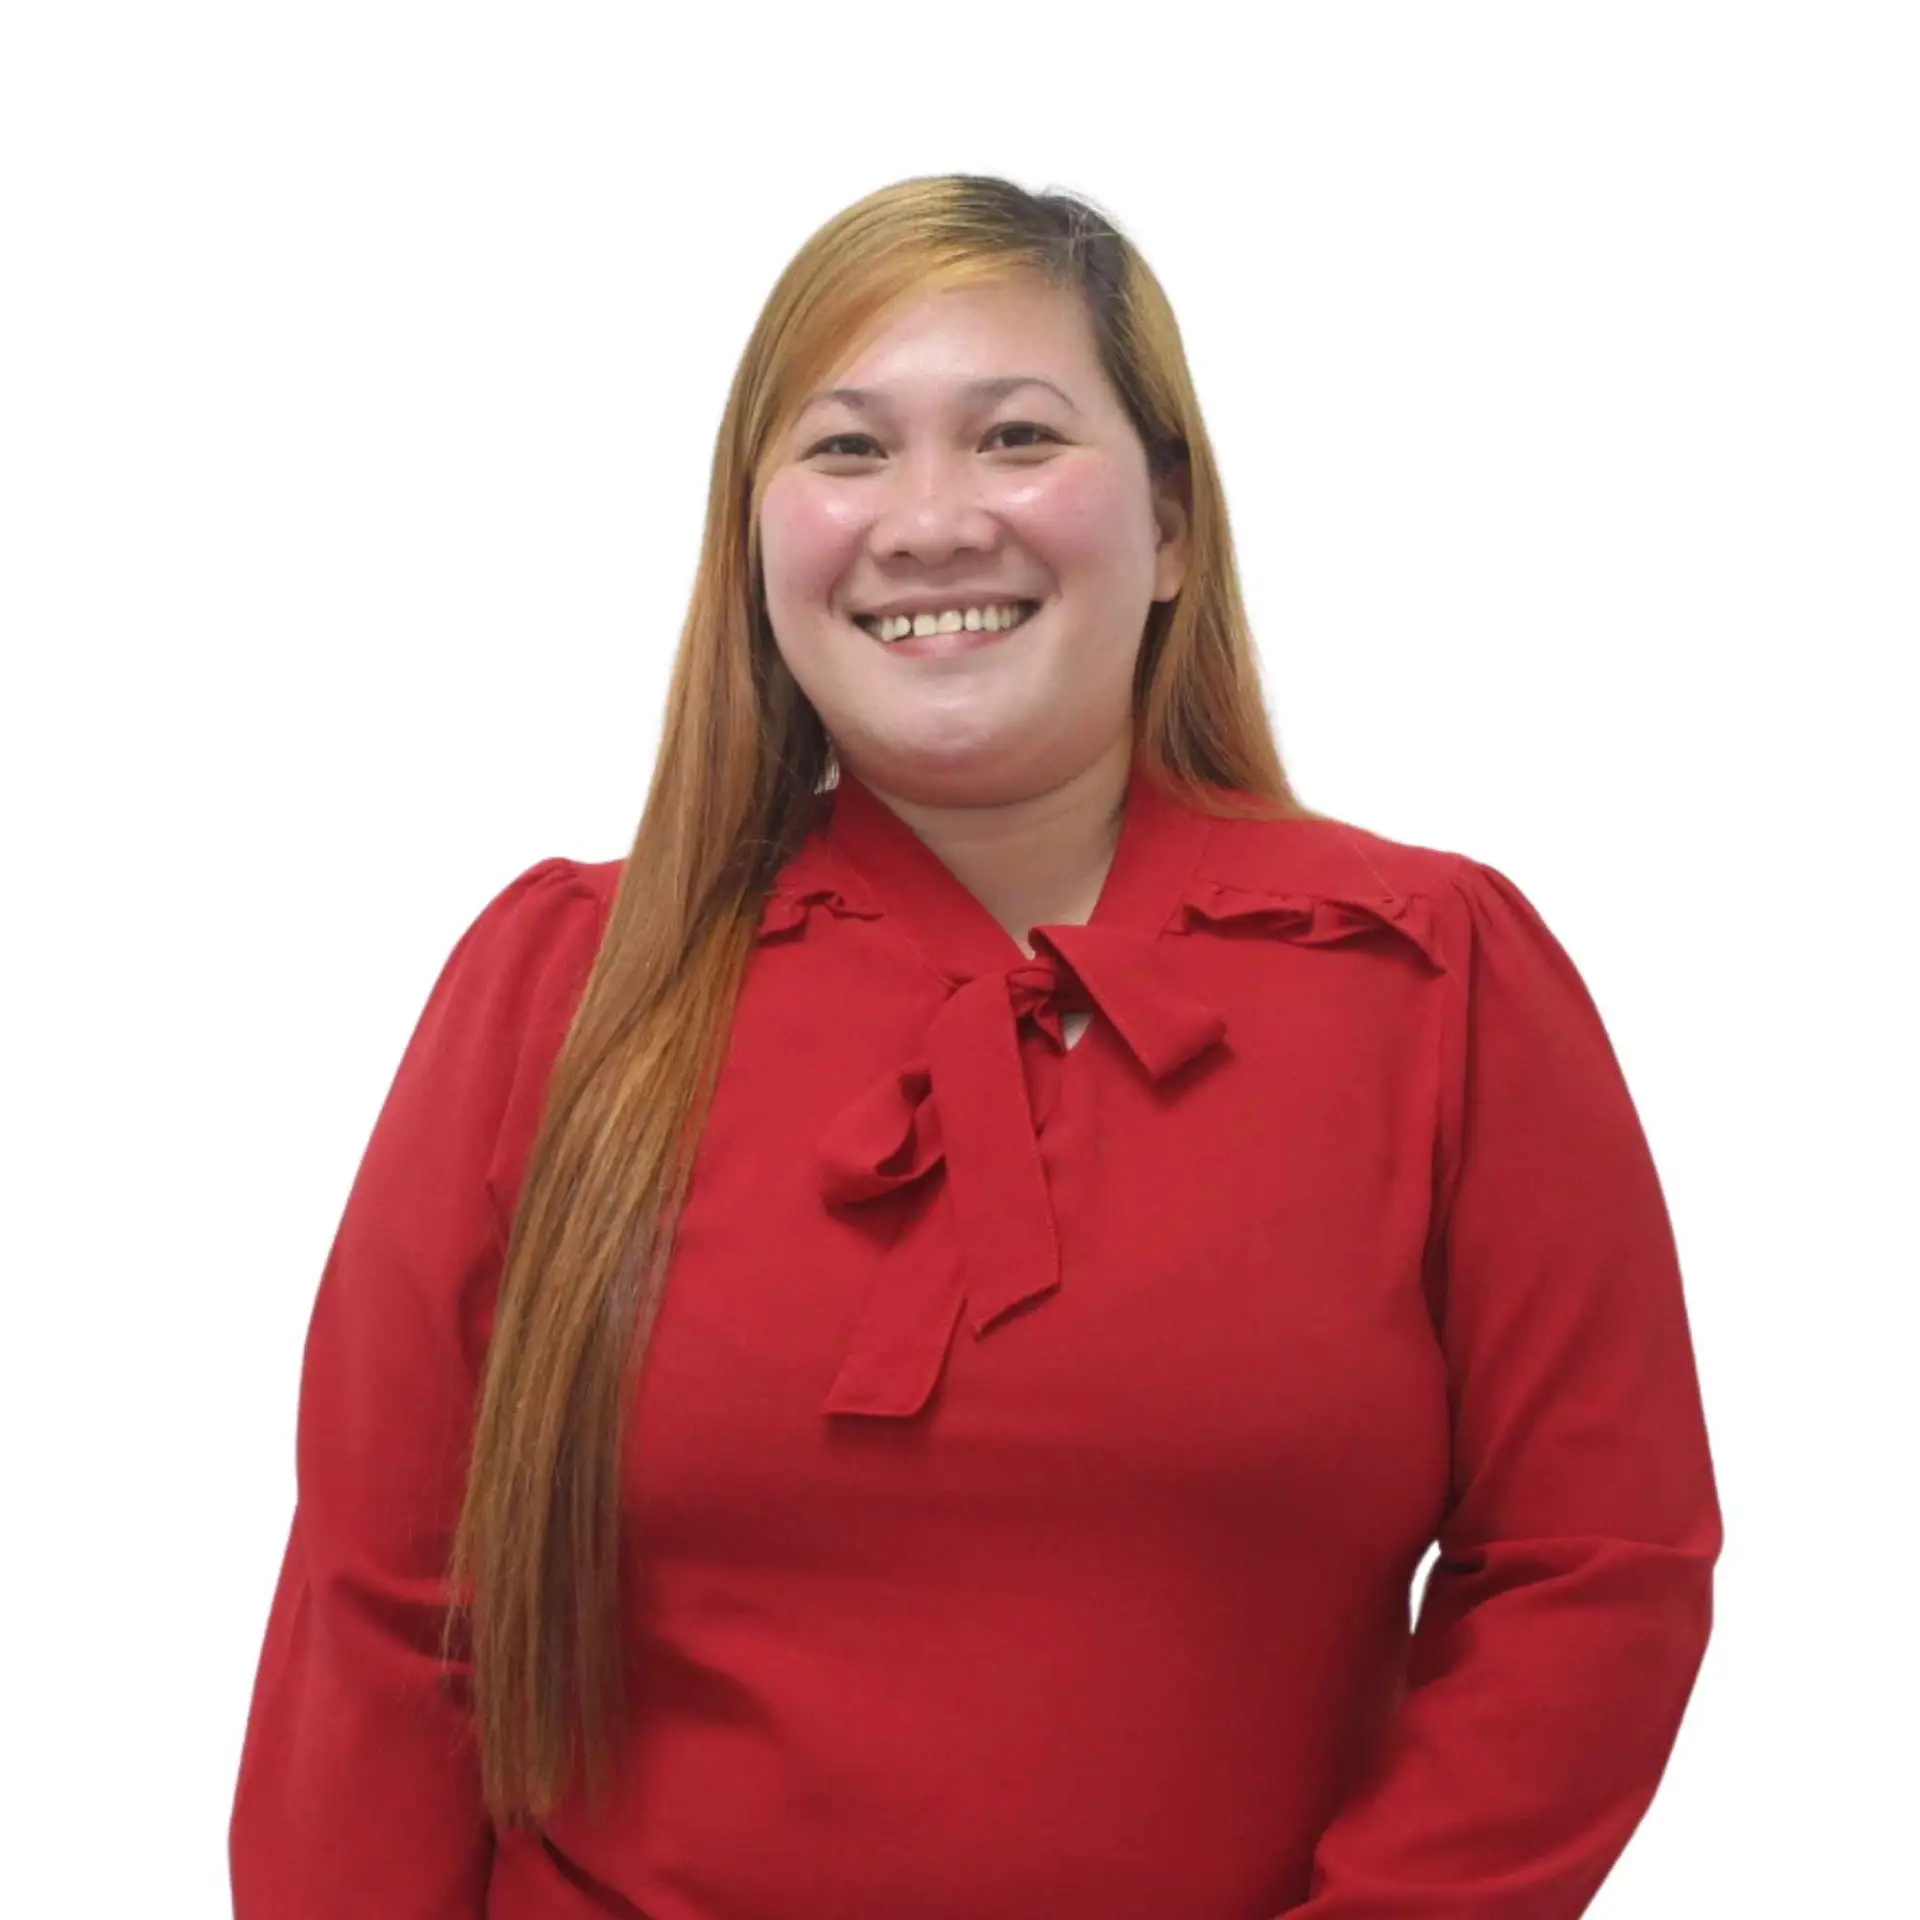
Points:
[[535, 1573]]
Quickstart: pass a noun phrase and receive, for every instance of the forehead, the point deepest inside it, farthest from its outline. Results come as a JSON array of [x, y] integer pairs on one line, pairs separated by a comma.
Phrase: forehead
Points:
[[974, 344]]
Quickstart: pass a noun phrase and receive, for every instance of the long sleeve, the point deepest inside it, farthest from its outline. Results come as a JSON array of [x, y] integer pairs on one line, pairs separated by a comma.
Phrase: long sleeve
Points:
[[358, 1791], [1566, 1616]]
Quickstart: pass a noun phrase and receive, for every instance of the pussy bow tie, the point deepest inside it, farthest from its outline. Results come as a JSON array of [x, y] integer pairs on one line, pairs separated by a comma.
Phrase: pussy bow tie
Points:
[[965, 1104]]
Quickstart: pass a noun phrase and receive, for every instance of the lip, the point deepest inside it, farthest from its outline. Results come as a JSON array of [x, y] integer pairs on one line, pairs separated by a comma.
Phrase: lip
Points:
[[940, 646], [949, 600]]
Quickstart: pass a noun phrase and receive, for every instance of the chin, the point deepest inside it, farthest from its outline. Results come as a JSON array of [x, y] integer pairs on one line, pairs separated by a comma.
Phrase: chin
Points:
[[936, 754]]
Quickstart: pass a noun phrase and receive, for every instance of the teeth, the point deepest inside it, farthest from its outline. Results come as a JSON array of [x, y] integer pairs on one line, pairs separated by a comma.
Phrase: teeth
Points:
[[954, 620]]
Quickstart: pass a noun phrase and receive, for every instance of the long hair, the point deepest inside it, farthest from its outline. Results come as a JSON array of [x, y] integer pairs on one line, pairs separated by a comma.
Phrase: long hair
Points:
[[535, 1613]]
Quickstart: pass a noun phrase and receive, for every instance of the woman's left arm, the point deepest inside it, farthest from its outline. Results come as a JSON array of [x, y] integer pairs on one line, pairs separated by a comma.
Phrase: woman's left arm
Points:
[[1565, 1619]]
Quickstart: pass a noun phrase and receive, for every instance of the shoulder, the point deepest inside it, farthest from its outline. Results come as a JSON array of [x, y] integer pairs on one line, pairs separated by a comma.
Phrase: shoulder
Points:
[[514, 974], [1321, 853], [499, 1014], [1452, 902], [1318, 879], [556, 902], [555, 887]]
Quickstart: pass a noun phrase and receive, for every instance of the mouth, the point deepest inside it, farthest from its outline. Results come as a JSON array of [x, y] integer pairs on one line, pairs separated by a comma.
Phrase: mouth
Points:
[[945, 639]]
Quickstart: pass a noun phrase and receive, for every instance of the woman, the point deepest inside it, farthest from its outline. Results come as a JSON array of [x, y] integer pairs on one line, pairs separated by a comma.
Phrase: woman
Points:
[[1090, 1223]]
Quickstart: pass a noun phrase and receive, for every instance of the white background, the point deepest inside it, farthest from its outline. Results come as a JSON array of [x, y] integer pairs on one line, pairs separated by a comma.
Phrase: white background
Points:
[[359, 377]]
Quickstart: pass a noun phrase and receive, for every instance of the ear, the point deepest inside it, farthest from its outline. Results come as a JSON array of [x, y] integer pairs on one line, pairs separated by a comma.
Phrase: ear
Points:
[[1173, 516]]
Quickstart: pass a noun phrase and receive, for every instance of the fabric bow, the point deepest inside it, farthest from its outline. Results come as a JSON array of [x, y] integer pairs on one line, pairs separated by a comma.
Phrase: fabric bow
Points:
[[965, 1104]]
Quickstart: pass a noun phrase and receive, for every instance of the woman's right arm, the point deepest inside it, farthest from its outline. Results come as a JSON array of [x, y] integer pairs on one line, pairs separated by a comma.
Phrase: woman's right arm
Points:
[[358, 1789]]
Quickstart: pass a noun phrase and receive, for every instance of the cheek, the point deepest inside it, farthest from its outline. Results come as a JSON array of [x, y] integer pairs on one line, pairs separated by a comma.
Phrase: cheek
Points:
[[805, 542], [1080, 517]]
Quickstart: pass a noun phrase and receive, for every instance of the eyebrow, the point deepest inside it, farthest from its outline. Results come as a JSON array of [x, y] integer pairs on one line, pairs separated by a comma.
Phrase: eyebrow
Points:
[[861, 398]]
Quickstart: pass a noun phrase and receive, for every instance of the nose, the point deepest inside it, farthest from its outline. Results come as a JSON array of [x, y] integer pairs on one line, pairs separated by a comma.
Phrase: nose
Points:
[[928, 507]]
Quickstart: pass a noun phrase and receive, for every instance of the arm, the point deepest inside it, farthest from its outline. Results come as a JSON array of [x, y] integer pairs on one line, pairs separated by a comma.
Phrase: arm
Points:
[[358, 1790], [1564, 1622]]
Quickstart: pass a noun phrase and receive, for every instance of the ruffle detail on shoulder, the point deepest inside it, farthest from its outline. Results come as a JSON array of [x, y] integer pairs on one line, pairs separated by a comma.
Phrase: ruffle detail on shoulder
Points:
[[787, 907], [1309, 919]]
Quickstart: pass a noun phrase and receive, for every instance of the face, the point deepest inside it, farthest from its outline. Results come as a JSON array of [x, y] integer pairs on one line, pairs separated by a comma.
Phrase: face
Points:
[[942, 485]]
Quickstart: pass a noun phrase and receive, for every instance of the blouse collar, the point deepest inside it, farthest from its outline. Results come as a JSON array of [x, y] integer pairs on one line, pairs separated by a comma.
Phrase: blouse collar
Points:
[[962, 1102], [1160, 843], [958, 1116]]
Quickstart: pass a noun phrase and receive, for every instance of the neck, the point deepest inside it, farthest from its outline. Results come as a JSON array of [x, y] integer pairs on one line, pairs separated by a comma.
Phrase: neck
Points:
[[1037, 861]]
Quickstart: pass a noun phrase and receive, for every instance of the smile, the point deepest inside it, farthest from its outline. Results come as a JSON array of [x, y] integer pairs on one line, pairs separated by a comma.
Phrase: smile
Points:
[[983, 621]]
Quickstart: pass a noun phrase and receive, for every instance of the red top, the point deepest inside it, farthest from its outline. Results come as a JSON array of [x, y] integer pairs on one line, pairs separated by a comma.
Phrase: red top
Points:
[[1037, 1444]]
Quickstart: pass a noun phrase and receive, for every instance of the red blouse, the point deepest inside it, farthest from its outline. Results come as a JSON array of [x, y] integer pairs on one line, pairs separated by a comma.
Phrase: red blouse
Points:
[[1038, 1441]]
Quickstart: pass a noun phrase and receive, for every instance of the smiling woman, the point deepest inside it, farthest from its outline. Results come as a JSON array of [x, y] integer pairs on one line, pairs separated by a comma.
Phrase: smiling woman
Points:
[[897, 1351], [936, 514]]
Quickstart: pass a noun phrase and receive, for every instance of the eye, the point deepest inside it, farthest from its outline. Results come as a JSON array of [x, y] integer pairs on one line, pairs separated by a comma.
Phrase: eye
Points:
[[1025, 426], [840, 440], [855, 446]]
